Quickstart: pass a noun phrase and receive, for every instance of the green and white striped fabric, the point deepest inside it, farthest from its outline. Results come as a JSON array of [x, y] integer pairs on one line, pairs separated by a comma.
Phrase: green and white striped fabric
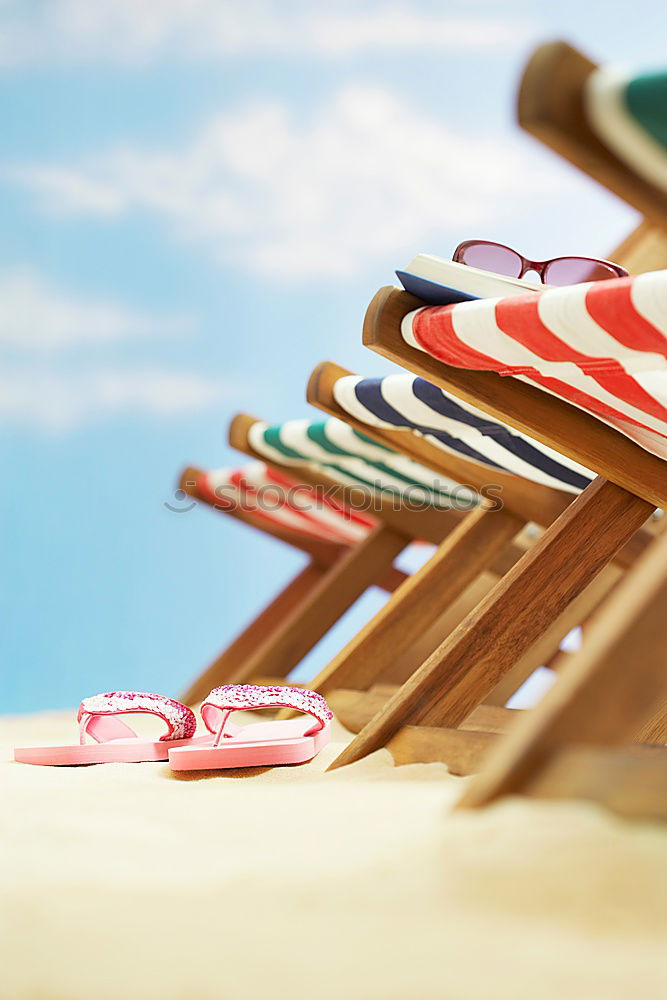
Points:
[[343, 454], [629, 114]]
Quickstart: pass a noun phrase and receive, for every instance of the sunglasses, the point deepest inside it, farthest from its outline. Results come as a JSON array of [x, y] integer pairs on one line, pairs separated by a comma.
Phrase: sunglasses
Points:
[[488, 256]]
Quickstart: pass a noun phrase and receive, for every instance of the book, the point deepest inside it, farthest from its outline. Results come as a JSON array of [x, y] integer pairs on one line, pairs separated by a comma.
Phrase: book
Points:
[[432, 292], [441, 282]]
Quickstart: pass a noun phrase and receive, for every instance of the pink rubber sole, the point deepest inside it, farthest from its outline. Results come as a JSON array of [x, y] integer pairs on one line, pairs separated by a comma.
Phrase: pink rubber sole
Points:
[[112, 752], [258, 745]]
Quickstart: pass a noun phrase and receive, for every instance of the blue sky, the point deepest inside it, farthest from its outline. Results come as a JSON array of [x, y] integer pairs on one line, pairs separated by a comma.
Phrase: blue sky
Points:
[[198, 200]]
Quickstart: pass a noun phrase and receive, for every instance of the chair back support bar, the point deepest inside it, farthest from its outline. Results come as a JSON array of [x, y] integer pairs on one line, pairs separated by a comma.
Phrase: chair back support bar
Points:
[[550, 107]]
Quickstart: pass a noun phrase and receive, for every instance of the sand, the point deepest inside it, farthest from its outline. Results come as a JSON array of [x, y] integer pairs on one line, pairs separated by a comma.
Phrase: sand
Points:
[[126, 880]]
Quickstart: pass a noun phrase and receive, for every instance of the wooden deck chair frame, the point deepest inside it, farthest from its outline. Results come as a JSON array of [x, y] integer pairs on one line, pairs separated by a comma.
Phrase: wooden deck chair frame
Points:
[[572, 551], [529, 501], [606, 697], [274, 643], [322, 557], [442, 584], [413, 619], [550, 107], [537, 503]]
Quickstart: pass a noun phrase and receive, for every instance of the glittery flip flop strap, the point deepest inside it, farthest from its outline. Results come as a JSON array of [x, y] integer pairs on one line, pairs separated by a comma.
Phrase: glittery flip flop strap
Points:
[[222, 701], [97, 715]]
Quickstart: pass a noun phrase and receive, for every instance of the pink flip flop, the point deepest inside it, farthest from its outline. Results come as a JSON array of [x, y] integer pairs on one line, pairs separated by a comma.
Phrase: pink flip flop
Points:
[[115, 741], [284, 741]]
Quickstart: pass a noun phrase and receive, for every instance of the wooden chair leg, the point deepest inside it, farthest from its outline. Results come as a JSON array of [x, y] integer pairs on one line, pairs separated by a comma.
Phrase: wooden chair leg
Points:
[[323, 605], [604, 694], [420, 600], [354, 709], [542, 651], [471, 661], [655, 730], [256, 633]]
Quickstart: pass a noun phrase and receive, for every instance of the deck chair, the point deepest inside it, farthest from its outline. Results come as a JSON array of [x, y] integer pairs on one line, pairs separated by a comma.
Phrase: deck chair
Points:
[[417, 615], [429, 425], [609, 124], [322, 531], [645, 248], [602, 425], [577, 743], [331, 455]]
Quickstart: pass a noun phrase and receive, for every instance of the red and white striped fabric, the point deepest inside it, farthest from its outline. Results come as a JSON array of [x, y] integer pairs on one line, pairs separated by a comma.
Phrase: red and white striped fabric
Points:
[[269, 496], [601, 346]]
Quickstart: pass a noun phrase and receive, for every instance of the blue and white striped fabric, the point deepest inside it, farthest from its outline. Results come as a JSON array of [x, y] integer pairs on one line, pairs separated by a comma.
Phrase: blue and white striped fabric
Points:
[[343, 454], [403, 401]]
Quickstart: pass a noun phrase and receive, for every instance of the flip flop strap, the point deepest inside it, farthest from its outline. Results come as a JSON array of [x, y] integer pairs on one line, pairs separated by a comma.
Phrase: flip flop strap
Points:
[[249, 697], [96, 715]]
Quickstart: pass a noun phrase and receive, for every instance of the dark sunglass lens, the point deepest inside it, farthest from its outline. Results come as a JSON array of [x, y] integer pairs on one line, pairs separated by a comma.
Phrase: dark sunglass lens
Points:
[[573, 270], [491, 257]]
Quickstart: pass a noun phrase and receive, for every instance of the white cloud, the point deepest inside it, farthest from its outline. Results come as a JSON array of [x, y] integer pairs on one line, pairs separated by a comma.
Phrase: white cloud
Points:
[[72, 32], [57, 402], [47, 387], [37, 315], [62, 187], [364, 175]]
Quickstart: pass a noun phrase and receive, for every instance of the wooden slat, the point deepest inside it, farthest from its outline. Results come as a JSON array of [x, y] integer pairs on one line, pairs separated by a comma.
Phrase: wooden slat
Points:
[[354, 709], [491, 719], [551, 107], [471, 661], [556, 423], [605, 693], [464, 752]]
